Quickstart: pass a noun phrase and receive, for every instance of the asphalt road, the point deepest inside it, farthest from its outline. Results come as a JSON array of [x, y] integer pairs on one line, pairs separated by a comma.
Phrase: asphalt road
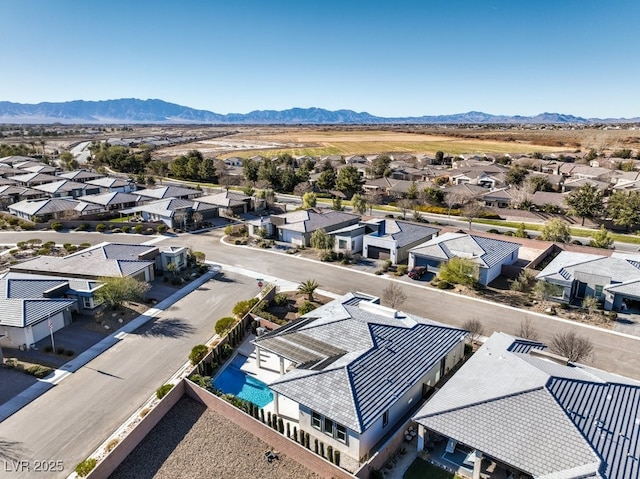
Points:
[[612, 352], [71, 420]]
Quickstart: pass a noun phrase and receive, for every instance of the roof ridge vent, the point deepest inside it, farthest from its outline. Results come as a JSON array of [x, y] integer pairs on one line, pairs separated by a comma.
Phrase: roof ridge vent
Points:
[[380, 310]]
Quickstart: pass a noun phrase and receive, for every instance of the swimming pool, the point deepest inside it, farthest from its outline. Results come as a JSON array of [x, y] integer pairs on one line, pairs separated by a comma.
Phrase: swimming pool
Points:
[[232, 380]]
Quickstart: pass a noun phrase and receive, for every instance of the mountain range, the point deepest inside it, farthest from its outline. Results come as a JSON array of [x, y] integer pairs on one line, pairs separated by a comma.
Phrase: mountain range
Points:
[[131, 110]]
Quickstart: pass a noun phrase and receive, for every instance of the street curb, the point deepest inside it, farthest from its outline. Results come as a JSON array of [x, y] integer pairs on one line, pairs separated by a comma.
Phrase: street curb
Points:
[[440, 291], [43, 385]]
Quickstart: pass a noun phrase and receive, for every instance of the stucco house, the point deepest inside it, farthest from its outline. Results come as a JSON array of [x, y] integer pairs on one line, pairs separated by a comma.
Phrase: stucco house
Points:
[[169, 191], [173, 212], [296, 227], [488, 253], [517, 410], [355, 369], [45, 209], [614, 280], [393, 239]]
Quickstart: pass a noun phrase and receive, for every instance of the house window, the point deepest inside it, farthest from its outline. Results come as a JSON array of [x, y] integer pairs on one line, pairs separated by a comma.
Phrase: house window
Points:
[[341, 433], [86, 302], [342, 244], [316, 420], [598, 291], [385, 418], [327, 426]]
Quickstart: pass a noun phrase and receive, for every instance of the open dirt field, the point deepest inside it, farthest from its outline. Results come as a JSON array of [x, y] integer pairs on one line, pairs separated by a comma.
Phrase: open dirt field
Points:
[[194, 442]]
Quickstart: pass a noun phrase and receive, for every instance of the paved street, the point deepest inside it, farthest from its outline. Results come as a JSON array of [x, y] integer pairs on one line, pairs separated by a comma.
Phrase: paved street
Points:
[[73, 418]]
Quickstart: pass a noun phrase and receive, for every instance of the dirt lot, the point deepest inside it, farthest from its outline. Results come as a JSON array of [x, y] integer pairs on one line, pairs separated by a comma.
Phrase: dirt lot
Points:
[[194, 442]]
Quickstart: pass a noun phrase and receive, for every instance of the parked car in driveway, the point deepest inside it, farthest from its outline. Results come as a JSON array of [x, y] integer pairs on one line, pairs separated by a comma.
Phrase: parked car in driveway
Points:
[[417, 272]]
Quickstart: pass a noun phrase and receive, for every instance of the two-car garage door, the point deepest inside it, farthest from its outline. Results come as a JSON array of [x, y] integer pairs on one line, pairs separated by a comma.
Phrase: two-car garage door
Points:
[[375, 252]]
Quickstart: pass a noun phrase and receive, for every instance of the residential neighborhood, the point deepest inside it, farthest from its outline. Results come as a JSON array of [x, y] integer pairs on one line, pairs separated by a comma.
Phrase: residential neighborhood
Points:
[[370, 343]]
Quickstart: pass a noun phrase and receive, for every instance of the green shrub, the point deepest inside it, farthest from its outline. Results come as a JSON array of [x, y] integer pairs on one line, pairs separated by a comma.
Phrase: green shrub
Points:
[[85, 467], [57, 226], [228, 230], [444, 285], [38, 371], [82, 227], [163, 390], [243, 307], [226, 350], [306, 307], [198, 352], [67, 246], [137, 229], [25, 225], [126, 228], [49, 244], [84, 245], [225, 324], [161, 229], [401, 270], [100, 227], [43, 251], [280, 299]]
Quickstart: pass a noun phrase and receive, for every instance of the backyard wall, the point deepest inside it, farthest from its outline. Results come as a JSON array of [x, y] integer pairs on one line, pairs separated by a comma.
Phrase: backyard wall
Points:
[[106, 466], [276, 440]]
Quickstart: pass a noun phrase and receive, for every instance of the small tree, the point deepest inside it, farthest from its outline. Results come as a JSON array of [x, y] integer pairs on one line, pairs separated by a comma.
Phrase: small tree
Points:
[[527, 330], [545, 290], [321, 240], [359, 204], [115, 291], [590, 304], [308, 287], [601, 239], [394, 295], [572, 346], [198, 352], [471, 211], [521, 232], [459, 271], [309, 200], [556, 230], [475, 328], [337, 204]]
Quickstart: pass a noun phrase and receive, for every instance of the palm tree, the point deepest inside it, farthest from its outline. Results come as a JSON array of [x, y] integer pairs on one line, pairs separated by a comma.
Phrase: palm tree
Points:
[[308, 287]]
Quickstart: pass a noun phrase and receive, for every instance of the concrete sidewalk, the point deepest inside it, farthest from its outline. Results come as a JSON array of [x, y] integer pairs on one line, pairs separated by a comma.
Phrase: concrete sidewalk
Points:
[[43, 385]]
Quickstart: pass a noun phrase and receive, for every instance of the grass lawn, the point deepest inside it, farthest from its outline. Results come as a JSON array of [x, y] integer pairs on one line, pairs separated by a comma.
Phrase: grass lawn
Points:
[[421, 469]]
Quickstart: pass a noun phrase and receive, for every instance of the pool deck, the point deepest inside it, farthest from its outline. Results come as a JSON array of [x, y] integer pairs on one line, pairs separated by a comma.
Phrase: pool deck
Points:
[[267, 373]]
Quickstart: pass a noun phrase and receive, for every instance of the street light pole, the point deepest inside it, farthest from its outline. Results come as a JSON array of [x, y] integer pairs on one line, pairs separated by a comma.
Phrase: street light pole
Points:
[[50, 324]]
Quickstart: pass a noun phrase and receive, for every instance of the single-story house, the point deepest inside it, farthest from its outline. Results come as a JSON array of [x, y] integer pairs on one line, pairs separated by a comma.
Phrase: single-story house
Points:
[[33, 179], [173, 212], [67, 188], [576, 183], [296, 227], [615, 279], [393, 239], [112, 185], [170, 191], [541, 199], [500, 198], [10, 194], [45, 209], [234, 202], [519, 410], [31, 309], [102, 260], [488, 253], [354, 369], [81, 176], [113, 201]]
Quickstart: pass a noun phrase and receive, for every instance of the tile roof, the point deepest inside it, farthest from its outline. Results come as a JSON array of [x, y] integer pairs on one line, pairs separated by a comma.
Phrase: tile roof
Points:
[[108, 182], [169, 191], [487, 252], [105, 259], [44, 206], [113, 198], [548, 419], [369, 356], [30, 177], [61, 185], [226, 199], [307, 221], [405, 233], [26, 312], [166, 207], [80, 175]]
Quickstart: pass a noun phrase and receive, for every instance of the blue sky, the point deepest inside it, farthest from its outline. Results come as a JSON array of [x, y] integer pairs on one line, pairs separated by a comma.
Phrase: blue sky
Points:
[[391, 58]]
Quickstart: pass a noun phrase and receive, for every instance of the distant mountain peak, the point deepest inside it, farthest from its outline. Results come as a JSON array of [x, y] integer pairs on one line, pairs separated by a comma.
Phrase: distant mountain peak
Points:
[[153, 110]]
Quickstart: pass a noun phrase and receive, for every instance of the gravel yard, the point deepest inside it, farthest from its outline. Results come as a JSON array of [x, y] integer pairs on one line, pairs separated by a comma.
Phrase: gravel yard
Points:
[[194, 442]]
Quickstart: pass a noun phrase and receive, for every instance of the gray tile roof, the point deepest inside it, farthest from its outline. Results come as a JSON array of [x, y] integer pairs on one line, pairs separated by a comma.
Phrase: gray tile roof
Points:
[[376, 359], [225, 199], [44, 206], [163, 192], [31, 177], [307, 221], [26, 312], [105, 259], [78, 175], [487, 252], [545, 418], [165, 207], [406, 233], [60, 186], [28, 288], [108, 182]]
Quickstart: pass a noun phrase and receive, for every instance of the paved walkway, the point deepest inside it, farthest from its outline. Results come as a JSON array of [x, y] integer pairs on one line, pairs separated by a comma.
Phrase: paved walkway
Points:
[[25, 397]]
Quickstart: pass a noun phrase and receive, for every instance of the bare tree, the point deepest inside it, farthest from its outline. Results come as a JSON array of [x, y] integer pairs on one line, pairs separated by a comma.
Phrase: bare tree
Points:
[[572, 346], [475, 328], [394, 295], [404, 206], [527, 330], [472, 210]]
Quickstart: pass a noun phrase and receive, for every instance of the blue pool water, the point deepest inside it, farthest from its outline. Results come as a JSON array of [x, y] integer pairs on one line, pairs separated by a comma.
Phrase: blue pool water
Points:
[[234, 381]]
